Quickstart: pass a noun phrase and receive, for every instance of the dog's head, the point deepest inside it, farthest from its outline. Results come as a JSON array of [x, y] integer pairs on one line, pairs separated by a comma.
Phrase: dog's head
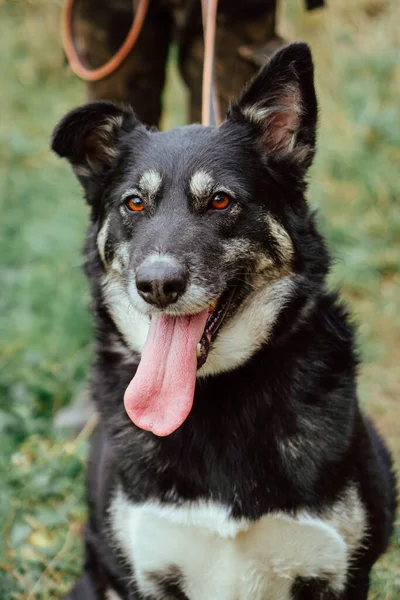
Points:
[[203, 230]]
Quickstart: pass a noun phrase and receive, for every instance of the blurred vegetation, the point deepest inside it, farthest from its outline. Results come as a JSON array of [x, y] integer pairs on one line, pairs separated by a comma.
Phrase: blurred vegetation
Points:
[[45, 328]]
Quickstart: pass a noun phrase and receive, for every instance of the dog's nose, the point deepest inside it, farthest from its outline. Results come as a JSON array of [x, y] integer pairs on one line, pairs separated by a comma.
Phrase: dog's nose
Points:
[[161, 282]]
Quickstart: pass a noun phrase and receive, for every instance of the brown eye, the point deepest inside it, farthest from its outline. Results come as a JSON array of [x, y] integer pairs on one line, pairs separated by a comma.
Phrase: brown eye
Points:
[[134, 203], [220, 201]]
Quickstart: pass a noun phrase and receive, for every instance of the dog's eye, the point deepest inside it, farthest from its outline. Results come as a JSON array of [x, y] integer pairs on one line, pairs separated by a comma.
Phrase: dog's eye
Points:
[[220, 201], [134, 203]]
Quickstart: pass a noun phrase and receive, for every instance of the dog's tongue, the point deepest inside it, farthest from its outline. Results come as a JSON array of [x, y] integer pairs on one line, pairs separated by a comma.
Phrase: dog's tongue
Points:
[[160, 396]]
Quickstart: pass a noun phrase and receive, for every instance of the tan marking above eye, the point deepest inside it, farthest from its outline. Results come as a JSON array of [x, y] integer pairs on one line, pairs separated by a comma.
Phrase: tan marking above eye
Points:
[[150, 183], [201, 184]]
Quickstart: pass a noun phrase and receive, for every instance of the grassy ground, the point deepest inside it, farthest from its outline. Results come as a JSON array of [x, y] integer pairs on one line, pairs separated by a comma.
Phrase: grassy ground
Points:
[[45, 329]]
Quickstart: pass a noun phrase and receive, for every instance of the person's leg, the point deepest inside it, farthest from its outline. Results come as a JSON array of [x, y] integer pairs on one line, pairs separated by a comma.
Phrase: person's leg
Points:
[[245, 36], [99, 29]]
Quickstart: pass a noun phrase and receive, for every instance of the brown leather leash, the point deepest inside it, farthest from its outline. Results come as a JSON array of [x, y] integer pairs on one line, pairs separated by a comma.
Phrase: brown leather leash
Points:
[[210, 113], [140, 11], [210, 108]]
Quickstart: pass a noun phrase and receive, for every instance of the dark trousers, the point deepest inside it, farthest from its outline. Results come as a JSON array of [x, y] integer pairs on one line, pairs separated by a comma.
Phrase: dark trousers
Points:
[[245, 37]]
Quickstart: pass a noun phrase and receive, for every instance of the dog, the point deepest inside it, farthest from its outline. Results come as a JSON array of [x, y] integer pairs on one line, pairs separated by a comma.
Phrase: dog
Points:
[[232, 460]]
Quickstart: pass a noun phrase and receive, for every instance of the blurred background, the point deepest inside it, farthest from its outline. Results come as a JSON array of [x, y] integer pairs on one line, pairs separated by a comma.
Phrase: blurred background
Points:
[[45, 327]]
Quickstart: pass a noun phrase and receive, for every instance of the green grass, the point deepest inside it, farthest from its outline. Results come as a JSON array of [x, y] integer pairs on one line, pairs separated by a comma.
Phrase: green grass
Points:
[[45, 329]]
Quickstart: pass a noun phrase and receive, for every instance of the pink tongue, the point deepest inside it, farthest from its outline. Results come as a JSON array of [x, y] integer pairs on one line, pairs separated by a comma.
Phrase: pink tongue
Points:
[[160, 396]]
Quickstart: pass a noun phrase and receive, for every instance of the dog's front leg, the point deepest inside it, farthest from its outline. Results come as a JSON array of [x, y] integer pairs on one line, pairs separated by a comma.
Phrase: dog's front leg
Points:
[[85, 589], [101, 578], [358, 587], [309, 589]]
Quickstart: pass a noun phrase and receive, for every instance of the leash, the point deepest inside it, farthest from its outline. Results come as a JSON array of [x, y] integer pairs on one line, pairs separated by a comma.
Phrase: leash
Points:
[[210, 112], [139, 10], [210, 106]]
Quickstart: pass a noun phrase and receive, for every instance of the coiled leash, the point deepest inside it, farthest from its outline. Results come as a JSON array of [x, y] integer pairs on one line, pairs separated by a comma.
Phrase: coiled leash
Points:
[[139, 10], [210, 107]]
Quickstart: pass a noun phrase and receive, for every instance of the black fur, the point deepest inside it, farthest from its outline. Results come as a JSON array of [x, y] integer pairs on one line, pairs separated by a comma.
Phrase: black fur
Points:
[[301, 384]]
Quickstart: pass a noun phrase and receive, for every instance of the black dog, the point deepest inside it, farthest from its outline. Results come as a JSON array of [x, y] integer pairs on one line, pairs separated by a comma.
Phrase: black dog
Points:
[[241, 467]]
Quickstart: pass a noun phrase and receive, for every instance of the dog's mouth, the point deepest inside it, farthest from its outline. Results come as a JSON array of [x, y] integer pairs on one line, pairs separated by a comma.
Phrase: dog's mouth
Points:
[[160, 396], [217, 313]]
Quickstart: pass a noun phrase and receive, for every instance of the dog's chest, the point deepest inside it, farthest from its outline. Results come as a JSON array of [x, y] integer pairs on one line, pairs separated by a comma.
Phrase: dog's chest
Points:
[[200, 551]]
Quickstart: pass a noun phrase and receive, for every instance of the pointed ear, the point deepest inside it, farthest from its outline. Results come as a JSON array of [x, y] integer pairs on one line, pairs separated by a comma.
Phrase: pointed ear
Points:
[[88, 137], [281, 106]]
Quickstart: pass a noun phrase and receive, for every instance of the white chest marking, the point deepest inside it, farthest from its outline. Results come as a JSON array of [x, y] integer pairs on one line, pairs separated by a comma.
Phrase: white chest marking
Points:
[[242, 560]]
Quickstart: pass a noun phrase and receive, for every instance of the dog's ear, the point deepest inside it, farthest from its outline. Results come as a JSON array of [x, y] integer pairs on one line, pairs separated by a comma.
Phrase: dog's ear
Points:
[[88, 137], [281, 107]]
